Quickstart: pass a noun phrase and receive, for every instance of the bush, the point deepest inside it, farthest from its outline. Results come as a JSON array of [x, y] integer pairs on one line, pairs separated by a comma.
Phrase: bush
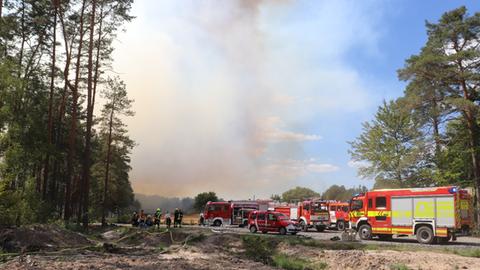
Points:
[[399, 267], [259, 248], [289, 263]]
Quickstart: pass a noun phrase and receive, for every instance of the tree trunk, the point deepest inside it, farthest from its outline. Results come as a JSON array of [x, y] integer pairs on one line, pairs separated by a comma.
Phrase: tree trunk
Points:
[[88, 134], [73, 125], [1, 6], [107, 165], [50, 108]]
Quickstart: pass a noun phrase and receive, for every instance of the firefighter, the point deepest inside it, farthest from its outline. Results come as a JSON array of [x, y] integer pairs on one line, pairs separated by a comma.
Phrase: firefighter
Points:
[[149, 221], [176, 215], [158, 216], [201, 220], [180, 217], [134, 219], [141, 219], [168, 220]]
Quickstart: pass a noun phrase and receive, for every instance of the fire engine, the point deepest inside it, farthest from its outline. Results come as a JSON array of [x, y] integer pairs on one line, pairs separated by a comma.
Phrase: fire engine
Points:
[[230, 213], [431, 214], [309, 213], [339, 215]]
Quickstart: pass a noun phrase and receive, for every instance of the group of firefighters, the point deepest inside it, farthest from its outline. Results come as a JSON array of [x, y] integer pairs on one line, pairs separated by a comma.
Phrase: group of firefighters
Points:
[[143, 220]]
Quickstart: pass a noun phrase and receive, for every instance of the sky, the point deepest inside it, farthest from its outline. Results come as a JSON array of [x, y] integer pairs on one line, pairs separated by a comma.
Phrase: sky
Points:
[[250, 98]]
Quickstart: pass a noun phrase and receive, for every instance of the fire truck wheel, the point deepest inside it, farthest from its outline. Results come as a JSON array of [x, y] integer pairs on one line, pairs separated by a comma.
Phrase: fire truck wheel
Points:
[[425, 235], [303, 226], [253, 229], [282, 231], [217, 223], [341, 225], [365, 232]]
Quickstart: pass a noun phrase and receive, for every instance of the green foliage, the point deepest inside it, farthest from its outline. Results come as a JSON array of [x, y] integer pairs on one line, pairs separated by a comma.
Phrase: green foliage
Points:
[[298, 194], [468, 252], [341, 193], [399, 267], [393, 146], [259, 248], [33, 168], [202, 198], [289, 262]]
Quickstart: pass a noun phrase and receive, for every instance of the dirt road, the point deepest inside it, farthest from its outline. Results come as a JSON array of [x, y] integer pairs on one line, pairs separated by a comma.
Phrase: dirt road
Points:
[[461, 242]]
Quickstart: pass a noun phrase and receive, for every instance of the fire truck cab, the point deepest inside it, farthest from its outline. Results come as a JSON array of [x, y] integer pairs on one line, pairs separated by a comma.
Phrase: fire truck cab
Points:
[[431, 214], [339, 216], [313, 213]]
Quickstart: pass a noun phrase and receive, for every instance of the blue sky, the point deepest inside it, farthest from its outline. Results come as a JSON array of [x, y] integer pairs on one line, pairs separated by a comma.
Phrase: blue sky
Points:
[[250, 98]]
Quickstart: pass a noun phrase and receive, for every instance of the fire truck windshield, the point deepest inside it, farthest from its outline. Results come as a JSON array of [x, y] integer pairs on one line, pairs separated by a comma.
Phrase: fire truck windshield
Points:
[[357, 204], [282, 217], [319, 207]]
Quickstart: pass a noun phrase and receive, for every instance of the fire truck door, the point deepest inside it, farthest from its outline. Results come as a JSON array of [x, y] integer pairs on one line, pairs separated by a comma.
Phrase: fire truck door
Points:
[[380, 215], [261, 220], [333, 217], [271, 222]]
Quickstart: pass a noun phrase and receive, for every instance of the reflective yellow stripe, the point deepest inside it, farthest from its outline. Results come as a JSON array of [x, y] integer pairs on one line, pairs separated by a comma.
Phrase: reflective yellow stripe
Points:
[[402, 214], [445, 209], [403, 230], [380, 229], [424, 209], [379, 214]]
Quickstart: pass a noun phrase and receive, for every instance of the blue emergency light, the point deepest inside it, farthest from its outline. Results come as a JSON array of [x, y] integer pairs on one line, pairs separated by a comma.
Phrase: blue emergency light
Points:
[[453, 190]]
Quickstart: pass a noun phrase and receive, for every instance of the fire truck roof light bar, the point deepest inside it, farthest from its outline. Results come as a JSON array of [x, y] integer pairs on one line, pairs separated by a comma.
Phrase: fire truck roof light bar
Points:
[[453, 190]]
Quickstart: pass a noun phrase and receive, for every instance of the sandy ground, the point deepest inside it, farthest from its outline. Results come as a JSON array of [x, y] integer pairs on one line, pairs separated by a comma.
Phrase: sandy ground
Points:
[[126, 248]]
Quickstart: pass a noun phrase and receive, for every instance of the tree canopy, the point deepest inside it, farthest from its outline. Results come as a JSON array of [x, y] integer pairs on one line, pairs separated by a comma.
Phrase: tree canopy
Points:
[[298, 194], [202, 198]]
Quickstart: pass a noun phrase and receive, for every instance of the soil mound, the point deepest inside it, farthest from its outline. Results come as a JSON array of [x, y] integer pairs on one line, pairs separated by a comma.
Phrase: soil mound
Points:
[[40, 237]]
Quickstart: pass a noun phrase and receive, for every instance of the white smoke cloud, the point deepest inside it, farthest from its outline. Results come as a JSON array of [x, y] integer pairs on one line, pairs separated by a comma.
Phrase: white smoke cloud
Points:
[[221, 86]]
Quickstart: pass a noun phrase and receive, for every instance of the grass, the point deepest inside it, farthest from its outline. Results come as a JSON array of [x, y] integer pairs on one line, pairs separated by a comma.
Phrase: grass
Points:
[[259, 248], [399, 266], [287, 262], [470, 252]]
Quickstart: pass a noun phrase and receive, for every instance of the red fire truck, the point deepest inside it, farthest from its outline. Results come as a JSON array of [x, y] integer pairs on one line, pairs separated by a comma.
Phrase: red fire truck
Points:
[[339, 216], [229, 213], [308, 214], [432, 214]]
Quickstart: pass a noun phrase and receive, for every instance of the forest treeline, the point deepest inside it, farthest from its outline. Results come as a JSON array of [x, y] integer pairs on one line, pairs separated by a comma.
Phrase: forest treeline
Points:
[[430, 135], [60, 156]]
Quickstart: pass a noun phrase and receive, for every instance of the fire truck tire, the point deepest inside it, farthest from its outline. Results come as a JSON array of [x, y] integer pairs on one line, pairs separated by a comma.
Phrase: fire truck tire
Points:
[[303, 226], [217, 223], [320, 228], [365, 232], [282, 231], [425, 235], [341, 225], [253, 229]]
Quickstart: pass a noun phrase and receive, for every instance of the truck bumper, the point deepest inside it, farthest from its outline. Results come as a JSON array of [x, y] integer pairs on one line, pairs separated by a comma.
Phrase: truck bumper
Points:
[[293, 229]]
